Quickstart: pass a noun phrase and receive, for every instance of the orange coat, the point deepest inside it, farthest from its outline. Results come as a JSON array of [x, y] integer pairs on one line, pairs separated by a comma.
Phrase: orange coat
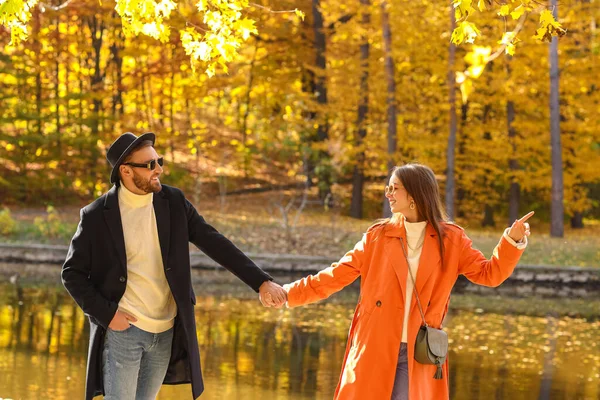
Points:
[[369, 366]]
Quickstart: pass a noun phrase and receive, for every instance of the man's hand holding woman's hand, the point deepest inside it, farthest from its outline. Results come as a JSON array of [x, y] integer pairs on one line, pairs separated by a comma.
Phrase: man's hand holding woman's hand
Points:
[[272, 295]]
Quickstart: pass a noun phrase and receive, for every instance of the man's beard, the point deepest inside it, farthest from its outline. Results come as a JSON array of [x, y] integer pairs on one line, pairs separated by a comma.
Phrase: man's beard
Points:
[[145, 185]]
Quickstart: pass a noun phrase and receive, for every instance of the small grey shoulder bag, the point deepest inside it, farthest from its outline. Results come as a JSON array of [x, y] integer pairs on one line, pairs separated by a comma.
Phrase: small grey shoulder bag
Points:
[[431, 346]]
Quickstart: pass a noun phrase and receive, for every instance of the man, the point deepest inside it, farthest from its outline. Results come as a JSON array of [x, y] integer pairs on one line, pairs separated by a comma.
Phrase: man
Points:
[[128, 268]]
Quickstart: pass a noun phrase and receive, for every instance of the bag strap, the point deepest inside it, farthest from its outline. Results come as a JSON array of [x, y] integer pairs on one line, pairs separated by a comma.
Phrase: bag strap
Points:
[[413, 281]]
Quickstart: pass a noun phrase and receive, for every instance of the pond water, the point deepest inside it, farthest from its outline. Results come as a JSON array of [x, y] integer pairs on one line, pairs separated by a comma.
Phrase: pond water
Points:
[[502, 347]]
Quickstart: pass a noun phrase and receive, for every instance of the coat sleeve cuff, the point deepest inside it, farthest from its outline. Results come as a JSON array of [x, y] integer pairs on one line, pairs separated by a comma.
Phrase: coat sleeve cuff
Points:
[[287, 287], [520, 245]]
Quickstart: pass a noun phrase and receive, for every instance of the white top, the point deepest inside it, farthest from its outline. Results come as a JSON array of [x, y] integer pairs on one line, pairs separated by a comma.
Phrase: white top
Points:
[[147, 295], [415, 236]]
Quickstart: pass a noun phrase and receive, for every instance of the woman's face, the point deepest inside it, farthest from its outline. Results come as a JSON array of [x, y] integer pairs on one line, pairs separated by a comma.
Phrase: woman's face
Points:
[[397, 196]]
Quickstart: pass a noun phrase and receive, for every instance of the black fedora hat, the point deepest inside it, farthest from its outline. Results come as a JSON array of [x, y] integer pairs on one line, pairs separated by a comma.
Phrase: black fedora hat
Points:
[[121, 148]]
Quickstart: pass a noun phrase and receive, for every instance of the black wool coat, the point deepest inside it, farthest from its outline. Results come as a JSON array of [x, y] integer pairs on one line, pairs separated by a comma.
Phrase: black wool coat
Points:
[[95, 274]]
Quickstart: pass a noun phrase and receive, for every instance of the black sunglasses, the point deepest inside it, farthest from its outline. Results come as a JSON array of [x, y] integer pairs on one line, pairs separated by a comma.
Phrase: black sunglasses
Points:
[[150, 164]]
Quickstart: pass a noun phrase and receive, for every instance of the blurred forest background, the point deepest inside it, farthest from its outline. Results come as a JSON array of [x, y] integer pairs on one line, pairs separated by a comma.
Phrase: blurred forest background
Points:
[[319, 107]]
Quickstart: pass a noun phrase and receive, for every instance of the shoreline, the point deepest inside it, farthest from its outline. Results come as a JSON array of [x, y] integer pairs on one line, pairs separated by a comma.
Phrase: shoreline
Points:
[[537, 275]]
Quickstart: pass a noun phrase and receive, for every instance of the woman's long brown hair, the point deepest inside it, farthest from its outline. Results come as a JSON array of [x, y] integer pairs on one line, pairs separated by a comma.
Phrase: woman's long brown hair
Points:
[[420, 183]]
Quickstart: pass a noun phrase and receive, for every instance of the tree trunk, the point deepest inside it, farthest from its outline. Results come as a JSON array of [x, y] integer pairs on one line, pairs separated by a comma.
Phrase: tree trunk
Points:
[[514, 196], [391, 97], [557, 209], [486, 181], [323, 160], [38, 70], [461, 143], [577, 220], [97, 32], [593, 41], [308, 86], [57, 88], [97, 27], [80, 122], [358, 177], [488, 216], [116, 48], [450, 150], [172, 107], [244, 124]]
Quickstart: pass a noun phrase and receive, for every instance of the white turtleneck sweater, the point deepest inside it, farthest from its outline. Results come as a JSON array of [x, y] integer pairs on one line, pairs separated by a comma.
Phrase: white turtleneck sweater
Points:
[[147, 295], [415, 235]]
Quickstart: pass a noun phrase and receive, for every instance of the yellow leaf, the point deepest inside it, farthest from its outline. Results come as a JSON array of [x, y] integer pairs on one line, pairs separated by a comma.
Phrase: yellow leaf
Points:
[[462, 8], [510, 49], [458, 36], [517, 12], [38, 152], [214, 20], [465, 32], [8, 79], [151, 30], [246, 27], [504, 10], [300, 14], [481, 5], [546, 17], [203, 51], [475, 71]]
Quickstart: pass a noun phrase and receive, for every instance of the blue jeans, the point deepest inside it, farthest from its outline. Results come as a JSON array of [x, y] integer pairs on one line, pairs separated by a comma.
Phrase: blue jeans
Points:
[[400, 391], [135, 363]]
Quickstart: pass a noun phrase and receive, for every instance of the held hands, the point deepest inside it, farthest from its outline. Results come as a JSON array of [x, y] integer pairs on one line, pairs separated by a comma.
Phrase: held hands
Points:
[[520, 228], [120, 321], [272, 295]]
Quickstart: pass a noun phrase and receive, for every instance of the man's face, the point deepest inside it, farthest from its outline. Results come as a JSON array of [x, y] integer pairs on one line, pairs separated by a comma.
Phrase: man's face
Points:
[[144, 179]]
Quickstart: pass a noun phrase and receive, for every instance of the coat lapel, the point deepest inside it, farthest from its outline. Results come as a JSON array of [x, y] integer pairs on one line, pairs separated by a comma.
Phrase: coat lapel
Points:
[[112, 216], [163, 224], [395, 256], [430, 258]]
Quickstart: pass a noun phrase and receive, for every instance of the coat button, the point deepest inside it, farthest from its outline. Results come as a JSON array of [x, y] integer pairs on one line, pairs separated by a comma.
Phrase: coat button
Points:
[[378, 304], [122, 279]]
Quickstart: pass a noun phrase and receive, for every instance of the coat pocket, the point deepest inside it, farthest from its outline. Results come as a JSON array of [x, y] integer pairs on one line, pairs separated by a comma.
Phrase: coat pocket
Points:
[[361, 320]]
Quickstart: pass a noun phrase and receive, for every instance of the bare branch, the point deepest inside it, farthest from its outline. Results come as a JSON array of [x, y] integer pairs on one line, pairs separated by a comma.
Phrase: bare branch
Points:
[[271, 10], [501, 49], [44, 6]]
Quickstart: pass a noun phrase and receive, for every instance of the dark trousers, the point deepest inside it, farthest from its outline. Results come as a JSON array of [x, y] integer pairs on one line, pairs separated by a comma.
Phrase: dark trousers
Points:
[[400, 391]]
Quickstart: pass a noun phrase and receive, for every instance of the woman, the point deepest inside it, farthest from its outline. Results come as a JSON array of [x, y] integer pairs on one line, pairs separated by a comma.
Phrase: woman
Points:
[[379, 361]]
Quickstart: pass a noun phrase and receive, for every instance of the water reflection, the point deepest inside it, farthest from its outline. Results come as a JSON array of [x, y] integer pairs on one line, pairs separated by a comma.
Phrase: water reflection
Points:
[[254, 353]]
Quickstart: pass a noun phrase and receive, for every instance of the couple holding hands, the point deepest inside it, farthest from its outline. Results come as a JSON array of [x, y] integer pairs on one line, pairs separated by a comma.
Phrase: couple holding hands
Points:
[[128, 268]]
